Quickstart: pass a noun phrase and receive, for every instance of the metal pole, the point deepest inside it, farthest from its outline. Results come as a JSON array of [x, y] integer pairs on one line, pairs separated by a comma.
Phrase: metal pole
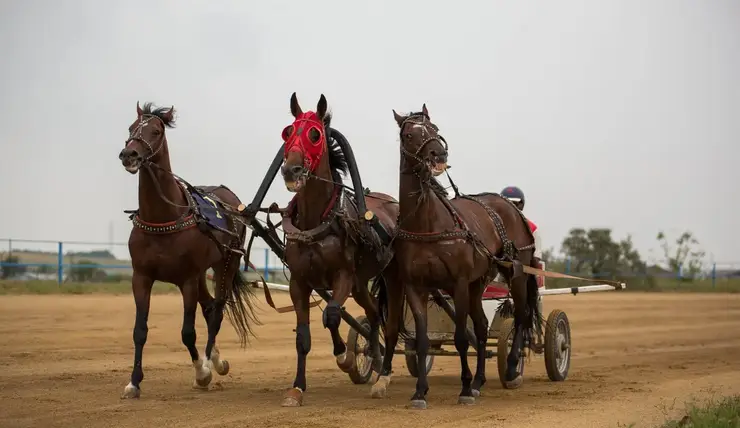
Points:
[[60, 264], [714, 274], [10, 249], [267, 264]]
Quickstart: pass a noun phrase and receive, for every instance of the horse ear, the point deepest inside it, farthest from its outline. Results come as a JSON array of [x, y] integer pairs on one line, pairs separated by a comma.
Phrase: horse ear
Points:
[[321, 107], [295, 109], [399, 118], [170, 114], [139, 112], [424, 110]]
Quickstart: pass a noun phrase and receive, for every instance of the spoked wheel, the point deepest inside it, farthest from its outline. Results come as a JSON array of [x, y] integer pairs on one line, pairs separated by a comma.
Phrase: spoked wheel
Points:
[[505, 338], [410, 345], [557, 346], [360, 346]]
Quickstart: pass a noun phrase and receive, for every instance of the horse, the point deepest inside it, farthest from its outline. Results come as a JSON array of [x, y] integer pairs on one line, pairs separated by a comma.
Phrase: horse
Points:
[[326, 246], [454, 245], [179, 232]]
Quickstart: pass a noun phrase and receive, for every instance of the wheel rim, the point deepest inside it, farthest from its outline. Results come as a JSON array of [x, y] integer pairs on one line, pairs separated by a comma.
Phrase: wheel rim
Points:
[[362, 356], [562, 348]]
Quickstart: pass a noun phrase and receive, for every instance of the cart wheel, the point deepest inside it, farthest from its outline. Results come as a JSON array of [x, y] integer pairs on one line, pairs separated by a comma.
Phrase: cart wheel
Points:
[[505, 337], [363, 370], [410, 345], [557, 346]]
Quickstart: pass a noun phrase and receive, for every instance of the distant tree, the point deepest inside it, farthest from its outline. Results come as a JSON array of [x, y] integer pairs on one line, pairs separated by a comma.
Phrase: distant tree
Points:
[[84, 271], [11, 271], [596, 252], [45, 269], [685, 256]]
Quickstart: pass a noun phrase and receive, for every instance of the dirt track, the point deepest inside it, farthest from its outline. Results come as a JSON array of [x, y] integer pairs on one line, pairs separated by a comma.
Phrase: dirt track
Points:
[[637, 357]]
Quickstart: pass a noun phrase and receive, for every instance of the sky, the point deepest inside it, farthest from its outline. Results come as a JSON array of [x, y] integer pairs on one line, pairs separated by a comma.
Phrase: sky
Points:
[[612, 113]]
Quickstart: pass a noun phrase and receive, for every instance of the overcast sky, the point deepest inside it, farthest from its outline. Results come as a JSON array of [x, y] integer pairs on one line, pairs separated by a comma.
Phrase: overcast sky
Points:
[[608, 113]]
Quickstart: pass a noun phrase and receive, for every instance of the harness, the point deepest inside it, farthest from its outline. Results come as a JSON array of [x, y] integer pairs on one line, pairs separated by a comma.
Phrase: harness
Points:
[[461, 230]]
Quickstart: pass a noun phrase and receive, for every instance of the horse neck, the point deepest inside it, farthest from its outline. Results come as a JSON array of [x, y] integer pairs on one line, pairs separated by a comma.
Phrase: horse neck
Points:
[[420, 209], [152, 207], [313, 201]]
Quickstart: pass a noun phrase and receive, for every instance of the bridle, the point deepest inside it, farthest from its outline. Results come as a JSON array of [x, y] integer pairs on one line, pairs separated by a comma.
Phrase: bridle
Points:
[[137, 135], [427, 137]]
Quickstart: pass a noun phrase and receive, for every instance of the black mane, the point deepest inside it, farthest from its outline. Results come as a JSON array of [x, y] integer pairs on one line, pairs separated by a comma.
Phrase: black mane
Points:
[[337, 161], [161, 113]]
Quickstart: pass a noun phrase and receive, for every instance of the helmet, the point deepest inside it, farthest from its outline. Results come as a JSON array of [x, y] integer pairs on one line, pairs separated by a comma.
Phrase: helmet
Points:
[[515, 195]]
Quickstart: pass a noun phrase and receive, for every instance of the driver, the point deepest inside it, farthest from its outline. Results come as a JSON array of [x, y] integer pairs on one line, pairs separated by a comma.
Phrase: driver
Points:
[[515, 195]]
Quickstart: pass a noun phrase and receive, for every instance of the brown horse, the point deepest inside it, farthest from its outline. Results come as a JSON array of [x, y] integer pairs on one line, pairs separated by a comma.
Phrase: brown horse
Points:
[[179, 232], [452, 245], [328, 247]]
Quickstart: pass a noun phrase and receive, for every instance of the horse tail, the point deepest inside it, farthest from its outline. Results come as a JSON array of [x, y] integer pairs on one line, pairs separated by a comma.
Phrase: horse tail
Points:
[[380, 285], [240, 309], [533, 298]]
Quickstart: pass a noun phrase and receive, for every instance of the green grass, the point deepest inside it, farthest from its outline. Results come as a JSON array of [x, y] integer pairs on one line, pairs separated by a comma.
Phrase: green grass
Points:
[[655, 284], [721, 413]]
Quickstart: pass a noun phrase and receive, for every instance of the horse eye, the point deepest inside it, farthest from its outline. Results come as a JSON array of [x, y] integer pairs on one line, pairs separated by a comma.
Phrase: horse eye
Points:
[[314, 135], [287, 132], [408, 136]]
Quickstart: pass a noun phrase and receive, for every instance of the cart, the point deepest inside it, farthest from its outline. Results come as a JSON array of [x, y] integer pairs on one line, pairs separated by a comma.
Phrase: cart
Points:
[[555, 343]]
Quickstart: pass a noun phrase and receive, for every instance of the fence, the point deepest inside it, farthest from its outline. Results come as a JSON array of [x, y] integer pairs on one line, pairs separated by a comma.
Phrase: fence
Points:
[[70, 260], [64, 260]]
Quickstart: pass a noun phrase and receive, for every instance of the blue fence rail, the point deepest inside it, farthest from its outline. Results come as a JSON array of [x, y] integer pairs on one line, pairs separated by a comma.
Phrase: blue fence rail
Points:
[[59, 257]]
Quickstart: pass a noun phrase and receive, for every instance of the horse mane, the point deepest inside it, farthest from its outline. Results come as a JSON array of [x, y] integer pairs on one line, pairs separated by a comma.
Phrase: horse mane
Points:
[[161, 113], [337, 160]]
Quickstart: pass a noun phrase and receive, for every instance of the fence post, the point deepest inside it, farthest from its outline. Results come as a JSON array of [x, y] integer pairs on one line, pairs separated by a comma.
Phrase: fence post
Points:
[[10, 248], [60, 264], [714, 274], [267, 264]]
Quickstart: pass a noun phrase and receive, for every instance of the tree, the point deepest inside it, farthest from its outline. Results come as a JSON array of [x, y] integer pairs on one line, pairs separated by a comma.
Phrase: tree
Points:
[[11, 269], [86, 270], [596, 252], [684, 258]]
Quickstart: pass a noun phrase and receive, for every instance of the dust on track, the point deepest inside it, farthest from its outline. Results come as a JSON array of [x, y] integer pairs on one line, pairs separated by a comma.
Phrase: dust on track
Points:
[[636, 358]]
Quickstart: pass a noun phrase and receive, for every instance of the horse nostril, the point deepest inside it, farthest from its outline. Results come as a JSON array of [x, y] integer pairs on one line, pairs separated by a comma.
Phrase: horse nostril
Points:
[[296, 169]]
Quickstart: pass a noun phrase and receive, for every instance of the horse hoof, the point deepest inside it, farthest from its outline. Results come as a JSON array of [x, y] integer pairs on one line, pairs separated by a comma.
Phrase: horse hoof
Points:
[[419, 404], [130, 391], [476, 393], [204, 382], [466, 400], [348, 364], [516, 383], [293, 398], [380, 388], [224, 368]]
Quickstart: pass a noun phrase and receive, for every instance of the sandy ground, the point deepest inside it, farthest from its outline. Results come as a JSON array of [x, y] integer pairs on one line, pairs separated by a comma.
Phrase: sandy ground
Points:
[[637, 358]]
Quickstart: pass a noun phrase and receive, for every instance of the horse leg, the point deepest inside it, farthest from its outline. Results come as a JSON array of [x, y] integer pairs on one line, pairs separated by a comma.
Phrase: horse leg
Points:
[[480, 325], [369, 304], [141, 286], [189, 291], [394, 302], [332, 318], [418, 306], [461, 300], [519, 296], [208, 307], [299, 295]]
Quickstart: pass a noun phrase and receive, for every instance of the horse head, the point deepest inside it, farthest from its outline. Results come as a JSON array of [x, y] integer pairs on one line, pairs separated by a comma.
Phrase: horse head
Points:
[[422, 148], [306, 145], [146, 139]]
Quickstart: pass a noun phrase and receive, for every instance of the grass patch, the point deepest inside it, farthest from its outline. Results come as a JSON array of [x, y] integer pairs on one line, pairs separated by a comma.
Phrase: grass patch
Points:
[[721, 413], [39, 287]]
